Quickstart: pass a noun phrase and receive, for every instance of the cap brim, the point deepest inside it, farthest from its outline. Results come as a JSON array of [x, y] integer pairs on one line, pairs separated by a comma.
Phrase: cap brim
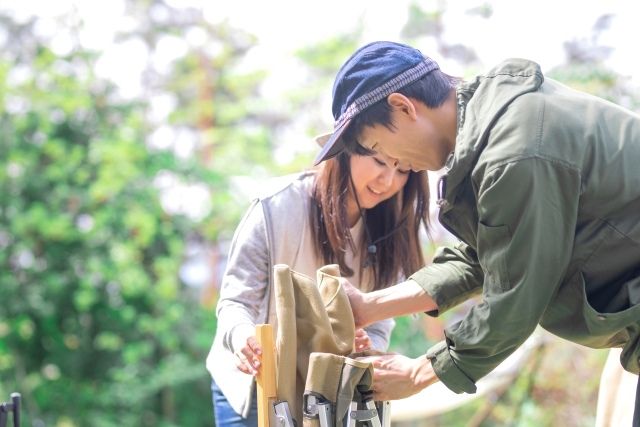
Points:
[[321, 140], [332, 143]]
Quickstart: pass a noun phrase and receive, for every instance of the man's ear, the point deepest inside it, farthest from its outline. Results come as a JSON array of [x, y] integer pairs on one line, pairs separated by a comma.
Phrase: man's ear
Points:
[[402, 104]]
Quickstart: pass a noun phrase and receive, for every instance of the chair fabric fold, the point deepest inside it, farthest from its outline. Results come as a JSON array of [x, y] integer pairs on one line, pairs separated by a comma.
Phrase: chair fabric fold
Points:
[[314, 338]]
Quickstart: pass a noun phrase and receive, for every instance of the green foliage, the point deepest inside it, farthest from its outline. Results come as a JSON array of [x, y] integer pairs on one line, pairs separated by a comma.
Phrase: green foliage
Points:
[[326, 57], [409, 336], [422, 23], [95, 327]]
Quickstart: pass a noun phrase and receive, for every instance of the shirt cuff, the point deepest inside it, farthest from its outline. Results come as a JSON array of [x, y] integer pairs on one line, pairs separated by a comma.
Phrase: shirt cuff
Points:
[[239, 335], [447, 371], [442, 286]]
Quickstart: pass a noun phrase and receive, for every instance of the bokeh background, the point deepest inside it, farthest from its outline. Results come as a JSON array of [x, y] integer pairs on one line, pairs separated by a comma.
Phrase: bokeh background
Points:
[[133, 134]]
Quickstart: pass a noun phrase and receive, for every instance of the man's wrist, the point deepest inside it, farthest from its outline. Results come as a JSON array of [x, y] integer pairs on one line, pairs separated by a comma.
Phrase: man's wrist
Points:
[[423, 374], [405, 298], [370, 308], [402, 299]]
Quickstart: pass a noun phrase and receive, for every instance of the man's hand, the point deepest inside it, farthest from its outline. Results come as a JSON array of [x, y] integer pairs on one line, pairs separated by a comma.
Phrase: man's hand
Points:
[[358, 303], [396, 376]]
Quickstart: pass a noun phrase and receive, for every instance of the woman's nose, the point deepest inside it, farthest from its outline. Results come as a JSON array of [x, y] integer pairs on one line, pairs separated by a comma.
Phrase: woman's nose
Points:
[[386, 177]]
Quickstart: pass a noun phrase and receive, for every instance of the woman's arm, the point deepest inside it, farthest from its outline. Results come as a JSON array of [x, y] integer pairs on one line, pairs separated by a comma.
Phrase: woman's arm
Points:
[[244, 290]]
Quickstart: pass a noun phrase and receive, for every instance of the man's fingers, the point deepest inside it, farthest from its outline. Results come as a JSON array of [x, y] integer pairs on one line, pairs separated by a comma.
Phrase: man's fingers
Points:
[[376, 361], [378, 388]]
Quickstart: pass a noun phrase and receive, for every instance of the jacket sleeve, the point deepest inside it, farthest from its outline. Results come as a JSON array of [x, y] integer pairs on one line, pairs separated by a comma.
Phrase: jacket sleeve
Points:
[[527, 213], [243, 291], [453, 276]]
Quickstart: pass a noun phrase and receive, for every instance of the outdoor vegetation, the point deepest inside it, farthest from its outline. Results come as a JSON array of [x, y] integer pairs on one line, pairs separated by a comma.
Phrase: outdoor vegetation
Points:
[[100, 322]]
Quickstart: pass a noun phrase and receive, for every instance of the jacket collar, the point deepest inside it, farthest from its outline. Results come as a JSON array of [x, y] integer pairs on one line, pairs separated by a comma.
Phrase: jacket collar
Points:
[[481, 102]]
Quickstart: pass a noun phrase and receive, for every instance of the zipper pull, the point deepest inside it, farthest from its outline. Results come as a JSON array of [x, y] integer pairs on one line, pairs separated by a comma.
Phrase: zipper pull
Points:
[[442, 189]]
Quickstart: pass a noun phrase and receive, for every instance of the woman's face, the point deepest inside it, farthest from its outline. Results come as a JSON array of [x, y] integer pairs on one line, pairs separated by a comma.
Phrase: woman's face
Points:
[[376, 178]]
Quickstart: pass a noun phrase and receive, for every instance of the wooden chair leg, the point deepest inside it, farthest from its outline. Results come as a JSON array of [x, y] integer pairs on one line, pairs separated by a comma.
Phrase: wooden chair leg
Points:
[[266, 378]]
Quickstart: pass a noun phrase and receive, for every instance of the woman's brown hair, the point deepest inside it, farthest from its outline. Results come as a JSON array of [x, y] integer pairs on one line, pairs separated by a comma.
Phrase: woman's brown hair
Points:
[[392, 227]]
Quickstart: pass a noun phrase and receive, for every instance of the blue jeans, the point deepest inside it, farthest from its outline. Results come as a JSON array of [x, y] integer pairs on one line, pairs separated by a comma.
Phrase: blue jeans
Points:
[[224, 414]]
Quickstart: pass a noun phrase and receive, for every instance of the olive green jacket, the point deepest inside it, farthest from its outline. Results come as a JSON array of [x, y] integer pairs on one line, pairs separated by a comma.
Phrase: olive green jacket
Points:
[[543, 191]]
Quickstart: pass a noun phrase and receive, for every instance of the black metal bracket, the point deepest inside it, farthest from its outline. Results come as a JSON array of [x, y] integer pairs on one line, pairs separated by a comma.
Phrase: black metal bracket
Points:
[[11, 407]]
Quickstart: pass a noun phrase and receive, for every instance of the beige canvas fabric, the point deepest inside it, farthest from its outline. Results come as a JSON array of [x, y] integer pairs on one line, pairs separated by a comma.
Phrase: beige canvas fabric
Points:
[[337, 379], [313, 316]]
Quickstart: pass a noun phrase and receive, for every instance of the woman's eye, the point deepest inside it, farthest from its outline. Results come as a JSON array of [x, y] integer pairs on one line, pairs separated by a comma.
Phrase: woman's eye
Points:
[[380, 162]]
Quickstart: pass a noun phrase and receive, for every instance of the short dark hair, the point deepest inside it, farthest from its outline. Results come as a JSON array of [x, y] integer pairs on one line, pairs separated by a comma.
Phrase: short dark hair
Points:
[[431, 89]]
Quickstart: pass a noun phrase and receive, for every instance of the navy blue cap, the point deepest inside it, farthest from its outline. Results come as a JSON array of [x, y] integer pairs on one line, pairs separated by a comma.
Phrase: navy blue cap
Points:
[[372, 73]]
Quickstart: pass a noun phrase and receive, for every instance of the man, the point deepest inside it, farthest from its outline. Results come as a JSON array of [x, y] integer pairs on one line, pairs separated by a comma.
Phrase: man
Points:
[[542, 187]]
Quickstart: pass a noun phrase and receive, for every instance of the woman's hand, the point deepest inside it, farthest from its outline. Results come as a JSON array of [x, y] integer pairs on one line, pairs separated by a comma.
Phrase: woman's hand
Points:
[[362, 341], [248, 357]]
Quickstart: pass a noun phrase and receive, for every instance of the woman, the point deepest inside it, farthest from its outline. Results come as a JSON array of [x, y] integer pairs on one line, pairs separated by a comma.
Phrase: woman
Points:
[[360, 212]]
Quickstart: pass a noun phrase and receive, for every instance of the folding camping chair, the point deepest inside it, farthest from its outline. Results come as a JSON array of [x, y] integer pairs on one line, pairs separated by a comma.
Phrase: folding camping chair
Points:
[[338, 393], [307, 375], [11, 407]]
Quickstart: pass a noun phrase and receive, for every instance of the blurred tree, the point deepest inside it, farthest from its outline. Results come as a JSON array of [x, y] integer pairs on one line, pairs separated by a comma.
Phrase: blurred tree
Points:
[[423, 23], [92, 323], [218, 122], [319, 63], [586, 68], [96, 328]]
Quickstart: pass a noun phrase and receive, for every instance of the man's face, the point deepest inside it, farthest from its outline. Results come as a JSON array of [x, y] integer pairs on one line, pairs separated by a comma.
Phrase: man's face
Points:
[[414, 144], [421, 138]]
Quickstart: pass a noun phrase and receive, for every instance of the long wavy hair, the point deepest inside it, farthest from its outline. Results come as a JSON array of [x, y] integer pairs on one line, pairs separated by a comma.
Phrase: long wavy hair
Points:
[[392, 226]]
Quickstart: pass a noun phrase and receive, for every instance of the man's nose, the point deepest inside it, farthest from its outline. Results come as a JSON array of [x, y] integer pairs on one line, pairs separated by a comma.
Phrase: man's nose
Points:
[[403, 165]]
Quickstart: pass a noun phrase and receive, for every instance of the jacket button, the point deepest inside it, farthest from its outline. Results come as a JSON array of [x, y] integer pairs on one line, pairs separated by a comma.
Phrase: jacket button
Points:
[[602, 317]]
